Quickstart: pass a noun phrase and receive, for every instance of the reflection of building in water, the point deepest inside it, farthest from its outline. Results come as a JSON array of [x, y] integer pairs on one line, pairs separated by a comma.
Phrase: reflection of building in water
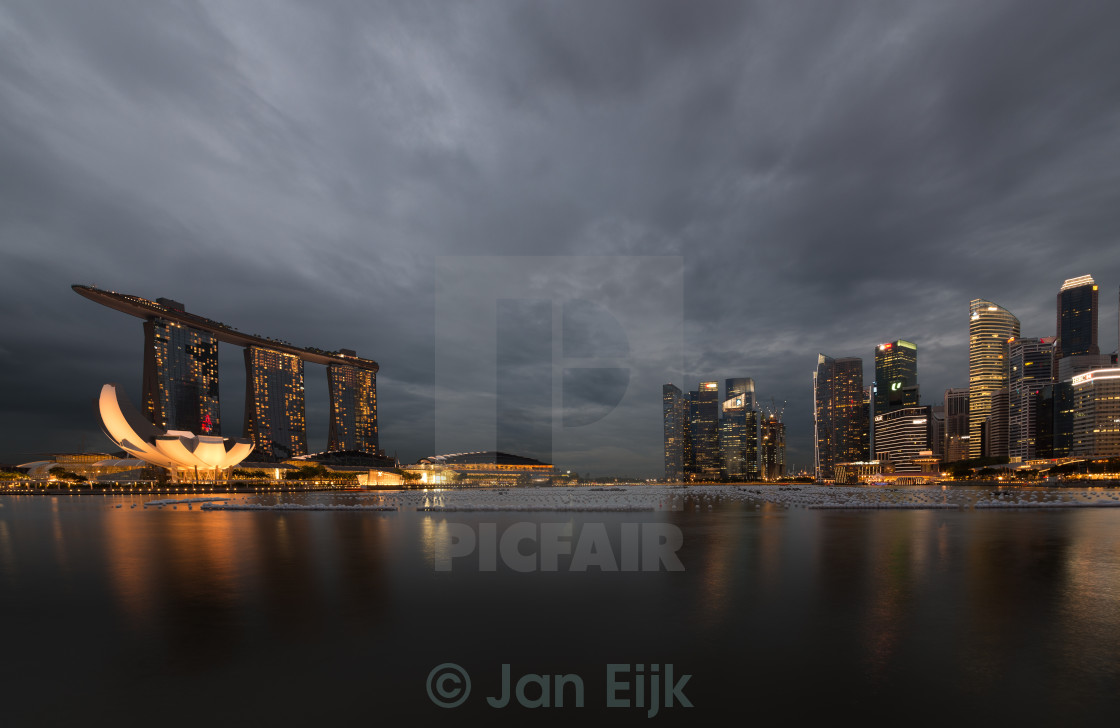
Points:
[[189, 580]]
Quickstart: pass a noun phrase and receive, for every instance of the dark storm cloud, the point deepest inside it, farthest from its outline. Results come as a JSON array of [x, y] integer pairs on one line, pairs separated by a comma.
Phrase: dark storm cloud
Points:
[[833, 175]]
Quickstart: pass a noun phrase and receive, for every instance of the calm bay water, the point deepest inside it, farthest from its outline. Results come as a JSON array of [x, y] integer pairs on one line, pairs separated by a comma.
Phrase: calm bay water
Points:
[[174, 616]]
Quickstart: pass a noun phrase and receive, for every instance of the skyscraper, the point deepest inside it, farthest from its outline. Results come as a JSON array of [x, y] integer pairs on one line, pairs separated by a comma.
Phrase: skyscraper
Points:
[[738, 433], [275, 418], [180, 386], [741, 386], [896, 376], [937, 430], [956, 424], [704, 426], [673, 408], [180, 376], [689, 460], [773, 447], [353, 407], [840, 413], [991, 328], [1076, 352], [1030, 368], [1077, 318]]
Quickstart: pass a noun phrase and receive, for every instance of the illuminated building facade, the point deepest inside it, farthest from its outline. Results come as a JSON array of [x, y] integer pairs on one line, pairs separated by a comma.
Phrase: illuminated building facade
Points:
[[738, 436], [673, 408], [353, 424], [275, 418], [901, 435], [937, 431], [1077, 318], [773, 447], [1030, 427], [185, 455], [840, 413], [991, 329], [704, 426], [1096, 415], [740, 387], [956, 424], [180, 387], [482, 469], [896, 376]]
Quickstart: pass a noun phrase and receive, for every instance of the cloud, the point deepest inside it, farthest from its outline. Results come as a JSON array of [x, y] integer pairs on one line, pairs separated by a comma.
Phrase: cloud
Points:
[[831, 177]]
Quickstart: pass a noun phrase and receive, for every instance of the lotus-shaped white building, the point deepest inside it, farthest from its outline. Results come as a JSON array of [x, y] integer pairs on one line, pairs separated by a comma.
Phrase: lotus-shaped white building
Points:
[[185, 454]]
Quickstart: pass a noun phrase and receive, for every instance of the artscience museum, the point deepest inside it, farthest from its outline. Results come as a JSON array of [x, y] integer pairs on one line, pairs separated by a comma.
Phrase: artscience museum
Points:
[[187, 456]]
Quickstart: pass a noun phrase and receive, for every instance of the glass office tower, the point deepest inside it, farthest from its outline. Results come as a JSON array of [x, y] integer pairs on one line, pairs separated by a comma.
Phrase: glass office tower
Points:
[[740, 387], [956, 424], [275, 418], [896, 376], [840, 422], [773, 447], [991, 329], [738, 439], [180, 389], [673, 408], [1030, 371], [704, 424], [353, 423], [1077, 318]]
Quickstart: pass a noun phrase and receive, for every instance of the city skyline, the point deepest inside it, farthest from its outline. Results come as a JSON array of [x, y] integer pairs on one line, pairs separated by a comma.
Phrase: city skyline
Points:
[[810, 204]]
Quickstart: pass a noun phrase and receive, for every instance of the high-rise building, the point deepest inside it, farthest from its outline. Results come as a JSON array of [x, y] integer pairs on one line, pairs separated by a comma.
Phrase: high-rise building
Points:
[[956, 424], [738, 438], [995, 433], [1096, 414], [773, 447], [840, 413], [704, 424], [275, 418], [689, 459], [1076, 352], [1077, 318], [673, 409], [180, 376], [896, 376], [937, 430], [1030, 369], [353, 424], [900, 435], [180, 386], [991, 328], [741, 387]]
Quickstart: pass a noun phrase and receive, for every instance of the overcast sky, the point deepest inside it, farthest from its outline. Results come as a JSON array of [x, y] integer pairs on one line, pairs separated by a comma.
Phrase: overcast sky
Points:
[[815, 177]]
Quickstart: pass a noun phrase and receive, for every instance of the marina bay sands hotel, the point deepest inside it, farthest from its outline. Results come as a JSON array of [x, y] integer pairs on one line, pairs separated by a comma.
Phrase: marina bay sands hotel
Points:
[[180, 389]]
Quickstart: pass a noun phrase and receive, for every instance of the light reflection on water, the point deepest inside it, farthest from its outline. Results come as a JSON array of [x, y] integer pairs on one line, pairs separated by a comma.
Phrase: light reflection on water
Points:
[[970, 615]]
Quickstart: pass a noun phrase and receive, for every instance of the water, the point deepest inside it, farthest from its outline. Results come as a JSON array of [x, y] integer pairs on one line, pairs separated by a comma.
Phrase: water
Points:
[[176, 616]]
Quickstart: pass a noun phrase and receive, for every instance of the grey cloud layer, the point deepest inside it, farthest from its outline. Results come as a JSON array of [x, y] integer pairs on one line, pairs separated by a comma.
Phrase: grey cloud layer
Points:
[[832, 174]]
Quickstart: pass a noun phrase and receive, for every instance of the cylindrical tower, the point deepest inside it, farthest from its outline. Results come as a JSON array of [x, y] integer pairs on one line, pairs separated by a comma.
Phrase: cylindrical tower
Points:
[[991, 329]]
